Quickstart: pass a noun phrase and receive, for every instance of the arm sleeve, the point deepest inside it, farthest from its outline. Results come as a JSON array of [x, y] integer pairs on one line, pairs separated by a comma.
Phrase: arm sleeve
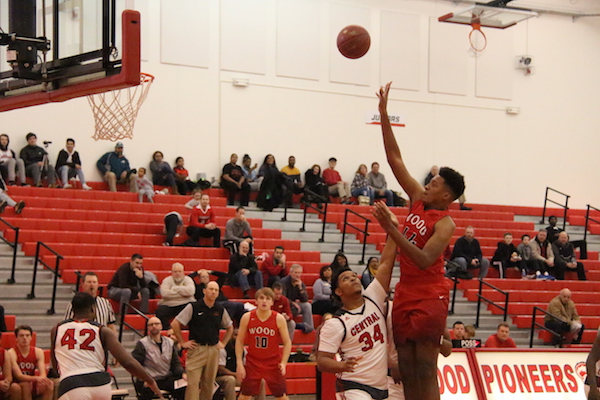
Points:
[[318, 291], [101, 164], [189, 287], [303, 296], [226, 320], [330, 337], [165, 289]]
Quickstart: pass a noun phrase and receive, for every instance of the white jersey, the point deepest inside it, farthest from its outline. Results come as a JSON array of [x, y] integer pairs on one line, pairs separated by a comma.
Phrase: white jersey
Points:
[[361, 332], [79, 349]]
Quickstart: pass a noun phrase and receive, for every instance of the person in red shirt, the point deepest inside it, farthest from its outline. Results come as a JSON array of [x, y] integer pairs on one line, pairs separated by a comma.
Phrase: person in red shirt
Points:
[[335, 184], [202, 224], [281, 304], [8, 388], [182, 177], [501, 337], [274, 268]]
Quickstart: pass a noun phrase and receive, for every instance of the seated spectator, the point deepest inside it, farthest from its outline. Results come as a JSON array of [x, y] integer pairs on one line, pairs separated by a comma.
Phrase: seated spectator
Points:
[[370, 271], [235, 309], [528, 262], [470, 331], [6, 200], [29, 366], [144, 186], [458, 331], [128, 284], [162, 174], [202, 224], [233, 182], [552, 230], [68, 165], [176, 291], [339, 262], [295, 290], [274, 268], [433, 172], [379, 184], [281, 304], [566, 322], [501, 338], [36, 162], [182, 177], [195, 200], [243, 271], [322, 303], [114, 167], [237, 230], [159, 357], [542, 252], [360, 184], [10, 164], [334, 182], [507, 255], [173, 227], [8, 388], [294, 182], [250, 173], [270, 194], [564, 258], [467, 253], [315, 183]]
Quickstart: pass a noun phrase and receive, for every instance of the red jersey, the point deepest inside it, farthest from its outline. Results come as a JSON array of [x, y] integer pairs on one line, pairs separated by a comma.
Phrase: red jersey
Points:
[[263, 343], [200, 217], [27, 364]]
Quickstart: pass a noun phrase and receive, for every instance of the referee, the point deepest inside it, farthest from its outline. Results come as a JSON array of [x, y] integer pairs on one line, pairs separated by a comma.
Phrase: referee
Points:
[[104, 311], [204, 318]]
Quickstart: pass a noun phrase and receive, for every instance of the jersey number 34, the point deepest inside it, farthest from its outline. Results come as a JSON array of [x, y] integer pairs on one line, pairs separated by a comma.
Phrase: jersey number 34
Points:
[[368, 341]]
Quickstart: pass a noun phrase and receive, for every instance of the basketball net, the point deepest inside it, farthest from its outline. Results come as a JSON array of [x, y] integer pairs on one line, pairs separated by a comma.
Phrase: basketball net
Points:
[[115, 111], [477, 38]]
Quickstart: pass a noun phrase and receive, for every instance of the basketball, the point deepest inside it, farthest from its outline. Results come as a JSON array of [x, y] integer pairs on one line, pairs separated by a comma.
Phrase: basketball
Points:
[[353, 41]]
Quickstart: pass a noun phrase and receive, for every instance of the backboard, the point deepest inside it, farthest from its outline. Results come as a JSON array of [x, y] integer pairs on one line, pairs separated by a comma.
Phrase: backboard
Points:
[[488, 16], [55, 50]]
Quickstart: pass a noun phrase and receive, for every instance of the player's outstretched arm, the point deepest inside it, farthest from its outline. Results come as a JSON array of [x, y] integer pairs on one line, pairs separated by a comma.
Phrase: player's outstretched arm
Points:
[[388, 257], [239, 347], [327, 363], [287, 343], [413, 189], [591, 361]]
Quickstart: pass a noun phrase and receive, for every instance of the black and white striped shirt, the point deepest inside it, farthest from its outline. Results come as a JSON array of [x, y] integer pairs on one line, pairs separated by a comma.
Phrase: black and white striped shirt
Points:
[[104, 312]]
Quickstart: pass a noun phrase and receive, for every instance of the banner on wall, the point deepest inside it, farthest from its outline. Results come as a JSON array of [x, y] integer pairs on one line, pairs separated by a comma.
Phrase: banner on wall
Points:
[[373, 118], [455, 377]]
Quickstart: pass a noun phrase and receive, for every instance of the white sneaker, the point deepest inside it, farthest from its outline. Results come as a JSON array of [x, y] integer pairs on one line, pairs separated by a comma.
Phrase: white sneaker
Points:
[[67, 186], [85, 186]]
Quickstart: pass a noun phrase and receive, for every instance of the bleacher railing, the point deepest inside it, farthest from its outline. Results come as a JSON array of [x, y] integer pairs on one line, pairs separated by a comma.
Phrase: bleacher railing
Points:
[[55, 271], [308, 204], [565, 206], [534, 325], [456, 282], [365, 232], [587, 221], [14, 245], [124, 323], [480, 297]]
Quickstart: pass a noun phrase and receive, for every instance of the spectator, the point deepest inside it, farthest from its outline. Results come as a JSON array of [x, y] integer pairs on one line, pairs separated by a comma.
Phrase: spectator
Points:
[[433, 172], [501, 339], [104, 312], [195, 200], [564, 258], [182, 177], [528, 262], [507, 255], [322, 303], [176, 291], [173, 227], [250, 173], [128, 284], [470, 331], [334, 182], [162, 174], [552, 230], [158, 355], [68, 165], [234, 309], [274, 268], [114, 167], [243, 270], [467, 253], [204, 318], [144, 186], [237, 230], [10, 164], [294, 181], [567, 322], [340, 261], [233, 181], [36, 162], [370, 271], [295, 290], [458, 331], [202, 223], [29, 366], [270, 194], [6, 200], [315, 183], [541, 251], [379, 184], [360, 184], [281, 304], [8, 388]]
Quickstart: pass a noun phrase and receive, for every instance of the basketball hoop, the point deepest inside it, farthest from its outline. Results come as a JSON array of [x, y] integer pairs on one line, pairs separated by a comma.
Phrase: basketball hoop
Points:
[[476, 36], [115, 111]]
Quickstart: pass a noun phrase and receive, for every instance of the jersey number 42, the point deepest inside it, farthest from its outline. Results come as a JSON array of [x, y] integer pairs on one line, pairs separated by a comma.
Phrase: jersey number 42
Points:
[[70, 341]]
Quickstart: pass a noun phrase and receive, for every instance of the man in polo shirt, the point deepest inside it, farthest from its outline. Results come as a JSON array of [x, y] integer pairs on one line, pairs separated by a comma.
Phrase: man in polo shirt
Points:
[[104, 311], [203, 318]]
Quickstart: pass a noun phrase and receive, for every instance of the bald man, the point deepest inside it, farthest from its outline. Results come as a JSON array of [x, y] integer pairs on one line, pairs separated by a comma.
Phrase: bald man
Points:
[[204, 318], [158, 355], [564, 258], [177, 291], [567, 322]]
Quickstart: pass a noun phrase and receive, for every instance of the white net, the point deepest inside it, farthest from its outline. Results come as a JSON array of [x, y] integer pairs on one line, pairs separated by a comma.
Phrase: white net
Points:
[[115, 111]]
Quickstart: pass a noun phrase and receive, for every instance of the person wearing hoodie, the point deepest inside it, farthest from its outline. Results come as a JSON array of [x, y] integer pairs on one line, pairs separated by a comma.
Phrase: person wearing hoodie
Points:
[[36, 160], [68, 164], [10, 163]]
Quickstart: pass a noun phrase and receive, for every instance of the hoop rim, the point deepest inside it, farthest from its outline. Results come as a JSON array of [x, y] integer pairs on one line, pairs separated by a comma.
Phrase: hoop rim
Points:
[[477, 27]]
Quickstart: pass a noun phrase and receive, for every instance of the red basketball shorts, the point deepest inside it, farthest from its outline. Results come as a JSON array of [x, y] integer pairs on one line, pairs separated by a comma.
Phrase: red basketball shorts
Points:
[[275, 381]]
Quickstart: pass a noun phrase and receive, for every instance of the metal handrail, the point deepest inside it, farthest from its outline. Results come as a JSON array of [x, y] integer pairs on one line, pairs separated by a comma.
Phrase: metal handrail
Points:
[[124, 308], [57, 275], [308, 205], [365, 232], [14, 246], [564, 206], [587, 220], [535, 324], [456, 282], [481, 297]]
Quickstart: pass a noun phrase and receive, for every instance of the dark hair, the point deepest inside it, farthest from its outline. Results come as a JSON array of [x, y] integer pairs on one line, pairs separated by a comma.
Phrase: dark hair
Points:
[[458, 323], [506, 234], [89, 273], [334, 281], [552, 216], [322, 270], [504, 324], [279, 247], [524, 236], [246, 157], [454, 181], [277, 285], [274, 162], [135, 256], [30, 134], [71, 140], [177, 159], [82, 302], [335, 266], [155, 153], [372, 258], [333, 159], [374, 164], [239, 208], [24, 328]]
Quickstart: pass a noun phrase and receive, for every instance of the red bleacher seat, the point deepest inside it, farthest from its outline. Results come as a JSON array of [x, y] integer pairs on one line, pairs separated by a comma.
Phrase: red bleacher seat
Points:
[[9, 339]]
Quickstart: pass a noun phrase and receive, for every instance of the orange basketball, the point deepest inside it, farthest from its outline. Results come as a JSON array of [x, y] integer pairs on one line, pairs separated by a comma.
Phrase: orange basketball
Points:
[[353, 41]]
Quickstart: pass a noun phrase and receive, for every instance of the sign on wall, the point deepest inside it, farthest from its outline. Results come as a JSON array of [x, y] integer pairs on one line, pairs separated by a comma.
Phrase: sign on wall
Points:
[[373, 118], [455, 378]]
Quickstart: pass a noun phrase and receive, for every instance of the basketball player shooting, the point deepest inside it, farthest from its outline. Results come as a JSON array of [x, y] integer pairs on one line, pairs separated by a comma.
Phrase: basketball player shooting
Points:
[[421, 296]]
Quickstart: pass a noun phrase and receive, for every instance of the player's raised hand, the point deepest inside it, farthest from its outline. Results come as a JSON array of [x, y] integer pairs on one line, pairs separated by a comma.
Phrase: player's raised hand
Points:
[[384, 215], [383, 93], [350, 363]]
